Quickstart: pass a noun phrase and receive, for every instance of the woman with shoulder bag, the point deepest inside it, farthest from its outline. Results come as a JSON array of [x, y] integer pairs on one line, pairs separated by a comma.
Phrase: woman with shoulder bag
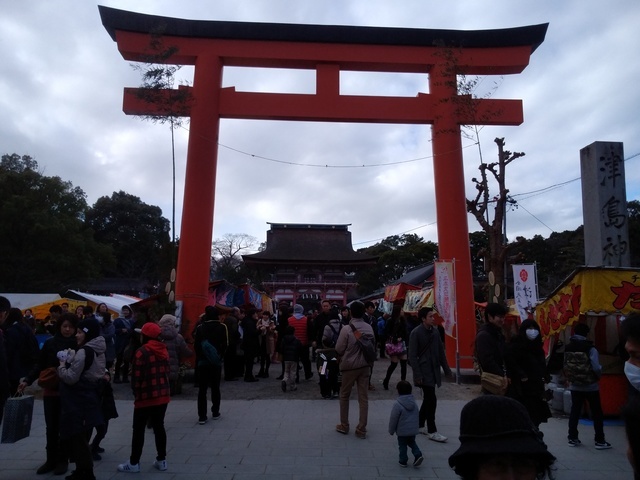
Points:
[[396, 347], [45, 372]]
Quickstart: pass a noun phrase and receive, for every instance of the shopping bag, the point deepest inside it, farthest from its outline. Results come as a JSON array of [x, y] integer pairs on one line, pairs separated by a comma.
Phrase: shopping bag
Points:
[[18, 413]]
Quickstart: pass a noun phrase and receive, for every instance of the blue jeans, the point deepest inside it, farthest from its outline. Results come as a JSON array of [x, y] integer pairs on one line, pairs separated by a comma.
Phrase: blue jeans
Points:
[[403, 443]]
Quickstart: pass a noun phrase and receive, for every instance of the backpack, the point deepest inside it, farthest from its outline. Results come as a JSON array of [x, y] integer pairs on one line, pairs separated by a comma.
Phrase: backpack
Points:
[[89, 355], [578, 369], [334, 335], [366, 343], [210, 353]]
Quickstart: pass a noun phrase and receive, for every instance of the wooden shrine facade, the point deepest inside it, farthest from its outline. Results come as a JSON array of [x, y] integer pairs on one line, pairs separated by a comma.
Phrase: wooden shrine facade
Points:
[[306, 263]]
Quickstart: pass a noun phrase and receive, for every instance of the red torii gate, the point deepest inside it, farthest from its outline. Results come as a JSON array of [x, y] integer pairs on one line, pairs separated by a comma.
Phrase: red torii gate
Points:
[[443, 54]]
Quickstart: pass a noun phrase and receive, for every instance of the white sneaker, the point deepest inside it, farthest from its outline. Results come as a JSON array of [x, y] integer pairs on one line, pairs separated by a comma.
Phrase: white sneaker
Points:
[[436, 437], [160, 465], [424, 431], [127, 467]]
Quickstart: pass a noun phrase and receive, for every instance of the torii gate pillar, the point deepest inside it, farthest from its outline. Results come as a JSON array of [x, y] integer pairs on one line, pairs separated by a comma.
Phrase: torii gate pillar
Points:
[[443, 54]]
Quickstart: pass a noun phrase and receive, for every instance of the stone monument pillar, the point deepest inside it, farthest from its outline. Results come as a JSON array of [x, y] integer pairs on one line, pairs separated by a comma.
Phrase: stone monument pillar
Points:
[[604, 205]]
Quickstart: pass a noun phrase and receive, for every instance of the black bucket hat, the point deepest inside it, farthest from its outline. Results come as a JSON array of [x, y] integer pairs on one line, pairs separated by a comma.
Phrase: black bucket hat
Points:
[[491, 425]]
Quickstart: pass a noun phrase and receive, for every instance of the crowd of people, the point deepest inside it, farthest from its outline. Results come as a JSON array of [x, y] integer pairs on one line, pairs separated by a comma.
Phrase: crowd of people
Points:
[[75, 366], [89, 350]]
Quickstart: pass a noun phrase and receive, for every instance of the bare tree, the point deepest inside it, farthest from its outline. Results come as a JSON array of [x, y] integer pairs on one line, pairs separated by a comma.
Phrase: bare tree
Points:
[[226, 254], [495, 229]]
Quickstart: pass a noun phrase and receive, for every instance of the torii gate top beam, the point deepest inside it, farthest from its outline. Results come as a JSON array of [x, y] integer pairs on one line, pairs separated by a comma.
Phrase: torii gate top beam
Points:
[[329, 50], [365, 48]]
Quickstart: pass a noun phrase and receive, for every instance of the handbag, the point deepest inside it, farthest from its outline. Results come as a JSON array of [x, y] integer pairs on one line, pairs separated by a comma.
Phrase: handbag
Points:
[[49, 379], [492, 383], [395, 349], [18, 413]]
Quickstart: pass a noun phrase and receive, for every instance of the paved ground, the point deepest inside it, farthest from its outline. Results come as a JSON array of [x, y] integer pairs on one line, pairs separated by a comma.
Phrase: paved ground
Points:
[[266, 434]]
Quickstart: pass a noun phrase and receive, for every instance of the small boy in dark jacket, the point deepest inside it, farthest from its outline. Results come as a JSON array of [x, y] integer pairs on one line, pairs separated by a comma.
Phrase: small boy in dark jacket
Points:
[[404, 422], [290, 356]]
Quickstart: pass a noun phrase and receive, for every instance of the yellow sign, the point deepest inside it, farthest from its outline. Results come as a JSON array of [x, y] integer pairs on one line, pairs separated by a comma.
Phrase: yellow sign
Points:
[[589, 289]]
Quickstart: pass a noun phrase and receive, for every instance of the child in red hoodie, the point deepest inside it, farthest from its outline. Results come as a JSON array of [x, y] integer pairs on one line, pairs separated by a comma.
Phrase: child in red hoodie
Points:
[[150, 385]]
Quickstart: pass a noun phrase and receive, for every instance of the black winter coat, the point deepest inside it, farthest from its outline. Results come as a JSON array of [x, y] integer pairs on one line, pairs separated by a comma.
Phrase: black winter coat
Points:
[[396, 329], [525, 359], [490, 349], [215, 332], [21, 349], [291, 348], [250, 336]]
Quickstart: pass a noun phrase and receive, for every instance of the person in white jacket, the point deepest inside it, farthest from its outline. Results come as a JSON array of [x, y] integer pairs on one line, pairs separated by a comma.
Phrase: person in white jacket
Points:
[[79, 374]]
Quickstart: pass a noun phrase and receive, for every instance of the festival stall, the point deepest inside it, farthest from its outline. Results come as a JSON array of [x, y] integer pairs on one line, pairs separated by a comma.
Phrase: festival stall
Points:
[[398, 292], [256, 298], [414, 300], [226, 294], [599, 297], [40, 303]]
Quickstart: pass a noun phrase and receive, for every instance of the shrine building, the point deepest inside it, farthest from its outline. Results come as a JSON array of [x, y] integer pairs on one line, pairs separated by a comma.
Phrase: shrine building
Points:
[[307, 263]]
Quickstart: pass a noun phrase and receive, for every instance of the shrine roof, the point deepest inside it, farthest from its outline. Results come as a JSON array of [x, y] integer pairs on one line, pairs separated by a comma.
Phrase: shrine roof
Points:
[[115, 19], [310, 244]]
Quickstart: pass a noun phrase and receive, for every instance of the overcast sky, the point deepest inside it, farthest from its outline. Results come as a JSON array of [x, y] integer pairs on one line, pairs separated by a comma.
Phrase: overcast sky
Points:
[[62, 79]]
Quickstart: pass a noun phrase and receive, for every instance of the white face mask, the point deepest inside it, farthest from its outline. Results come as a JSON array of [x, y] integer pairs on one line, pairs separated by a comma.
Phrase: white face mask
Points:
[[532, 333], [633, 374]]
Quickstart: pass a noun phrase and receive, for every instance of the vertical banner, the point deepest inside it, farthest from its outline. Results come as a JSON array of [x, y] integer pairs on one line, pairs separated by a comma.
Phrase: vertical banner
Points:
[[445, 294], [525, 289]]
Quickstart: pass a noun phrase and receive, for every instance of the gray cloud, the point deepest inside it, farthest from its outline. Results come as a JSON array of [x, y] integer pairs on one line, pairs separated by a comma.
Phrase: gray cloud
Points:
[[62, 80]]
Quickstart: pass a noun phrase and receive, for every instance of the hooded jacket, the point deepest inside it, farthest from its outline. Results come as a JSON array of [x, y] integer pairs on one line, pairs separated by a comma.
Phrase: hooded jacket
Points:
[[150, 375], [327, 335], [75, 369], [302, 326], [404, 419], [351, 358], [79, 389], [176, 348]]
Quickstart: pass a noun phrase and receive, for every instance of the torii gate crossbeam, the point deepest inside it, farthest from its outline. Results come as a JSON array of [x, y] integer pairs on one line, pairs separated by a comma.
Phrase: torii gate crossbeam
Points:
[[328, 50]]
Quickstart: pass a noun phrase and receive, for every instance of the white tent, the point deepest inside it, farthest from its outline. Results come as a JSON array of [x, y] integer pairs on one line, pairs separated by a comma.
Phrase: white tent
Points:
[[30, 300], [114, 302]]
